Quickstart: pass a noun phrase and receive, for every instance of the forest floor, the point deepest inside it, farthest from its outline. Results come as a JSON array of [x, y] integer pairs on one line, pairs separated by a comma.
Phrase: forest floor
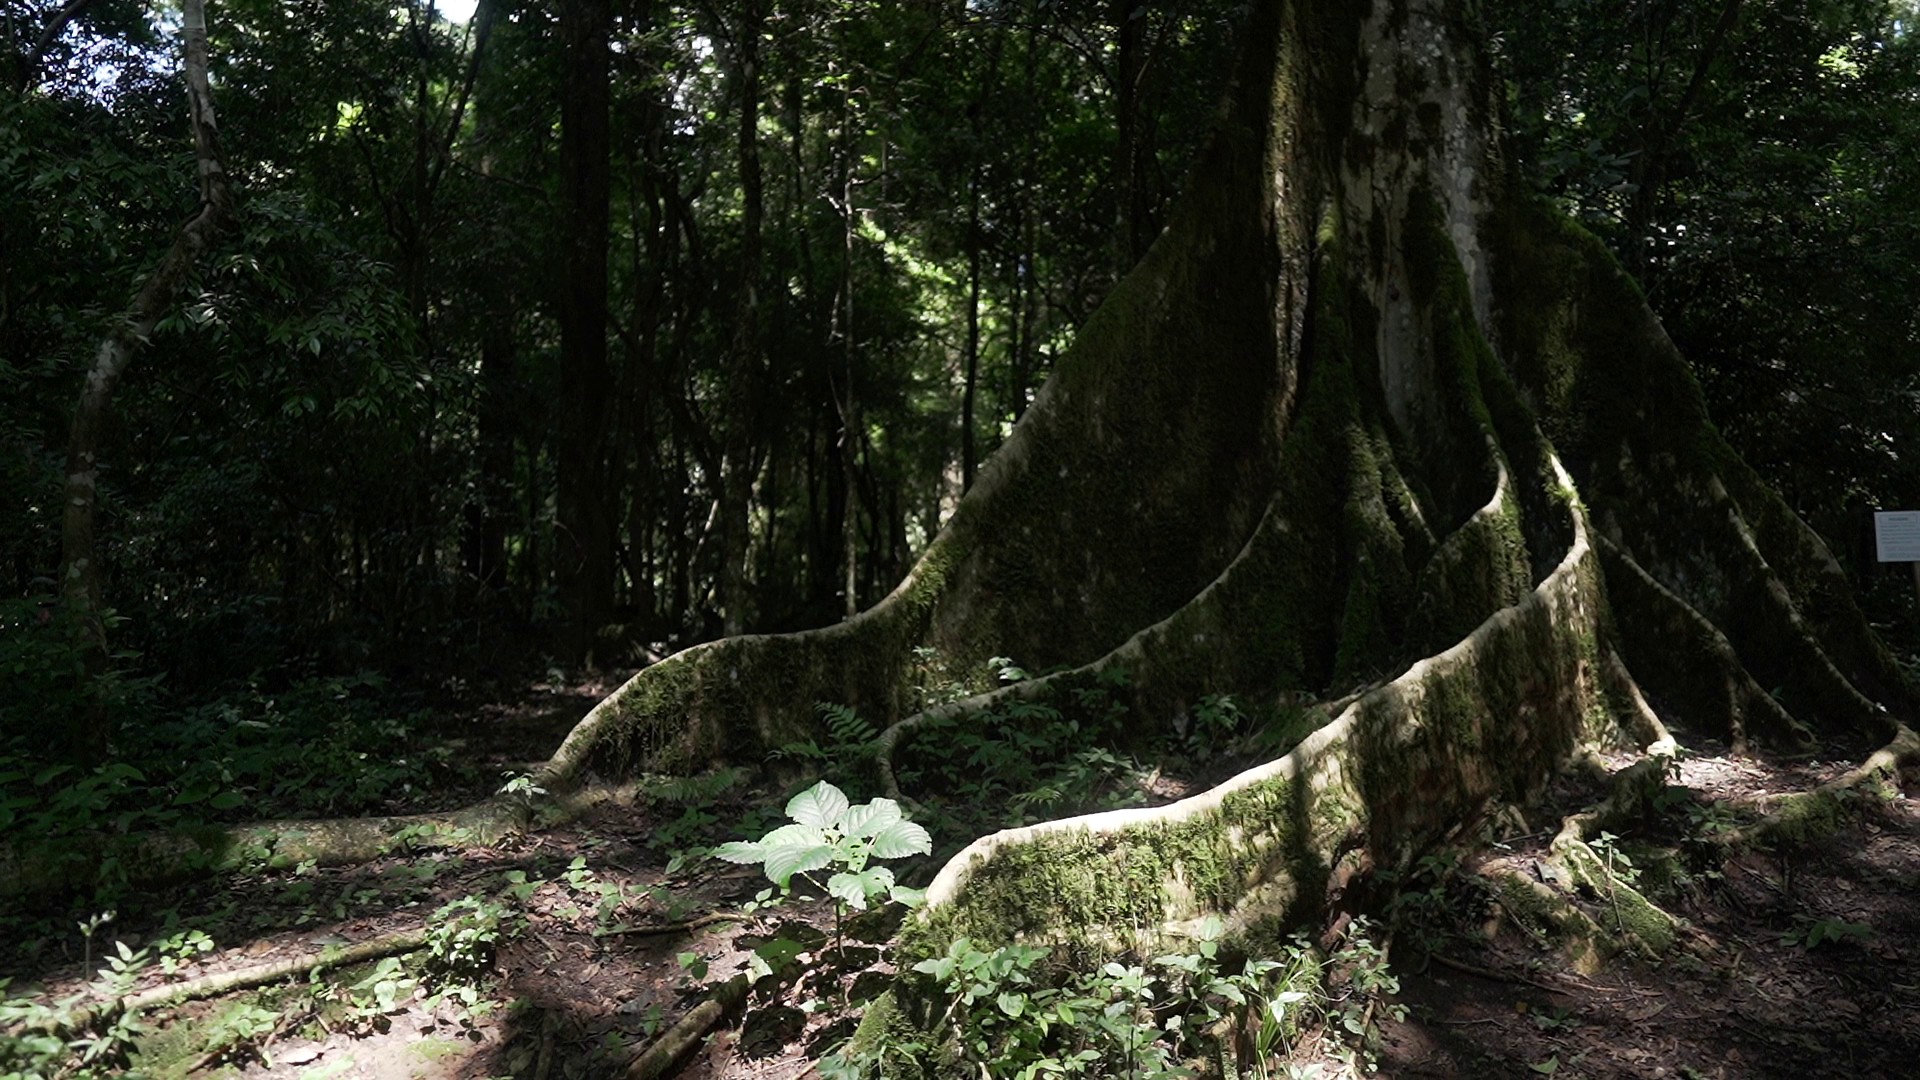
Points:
[[1796, 962], [595, 938]]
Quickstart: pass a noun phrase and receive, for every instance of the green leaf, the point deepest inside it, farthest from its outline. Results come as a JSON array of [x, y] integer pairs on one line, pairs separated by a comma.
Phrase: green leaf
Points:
[[900, 839], [1547, 1067], [784, 862], [1012, 1004], [694, 963], [794, 836], [868, 819], [226, 800], [940, 967], [856, 889], [740, 851], [820, 805], [779, 952]]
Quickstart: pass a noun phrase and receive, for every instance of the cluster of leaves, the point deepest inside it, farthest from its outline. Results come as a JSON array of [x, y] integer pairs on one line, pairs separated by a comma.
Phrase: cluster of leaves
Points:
[[1037, 756], [323, 746], [828, 832], [1144, 1022], [79, 1037]]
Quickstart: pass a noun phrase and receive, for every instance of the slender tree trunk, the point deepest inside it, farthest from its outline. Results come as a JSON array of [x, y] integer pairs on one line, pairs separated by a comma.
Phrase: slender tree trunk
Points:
[[79, 552], [969, 460], [586, 552], [1134, 199], [848, 405], [744, 374], [488, 512], [1655, 142], [1026, 270]]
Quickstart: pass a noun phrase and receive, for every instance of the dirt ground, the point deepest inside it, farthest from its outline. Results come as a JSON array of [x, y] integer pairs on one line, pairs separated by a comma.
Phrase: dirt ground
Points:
[[1792, 963], [1794, 966]]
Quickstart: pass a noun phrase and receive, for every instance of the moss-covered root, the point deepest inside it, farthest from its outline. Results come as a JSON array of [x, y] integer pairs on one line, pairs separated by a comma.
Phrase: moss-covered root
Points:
[[1538, 900], [1806, 816], [1689, 663], [1573, 900], [76, 865], [1490, 718], [1737, 573], [1631, 709], [1630, 922]]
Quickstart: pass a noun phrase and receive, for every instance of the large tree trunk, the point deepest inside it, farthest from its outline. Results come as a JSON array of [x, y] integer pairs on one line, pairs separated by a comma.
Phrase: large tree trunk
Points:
[[1366, 423]]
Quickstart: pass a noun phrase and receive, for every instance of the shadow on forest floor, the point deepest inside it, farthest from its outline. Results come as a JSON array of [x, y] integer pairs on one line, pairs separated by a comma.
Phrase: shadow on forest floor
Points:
[[1795, 963]]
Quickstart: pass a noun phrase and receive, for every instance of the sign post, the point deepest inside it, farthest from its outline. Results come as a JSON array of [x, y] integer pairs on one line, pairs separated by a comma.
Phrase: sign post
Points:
[[1896, 538]]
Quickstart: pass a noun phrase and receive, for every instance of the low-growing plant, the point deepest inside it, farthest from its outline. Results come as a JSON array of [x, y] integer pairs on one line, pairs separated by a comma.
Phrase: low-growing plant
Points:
[[1015, 1019], [1810, 933], [466, 933], [77, 1037], [829, 833]]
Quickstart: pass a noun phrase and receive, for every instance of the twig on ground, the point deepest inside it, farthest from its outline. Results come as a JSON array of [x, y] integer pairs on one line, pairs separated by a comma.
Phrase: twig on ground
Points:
[[683, 926], [660, 1059], [225, 982], [1497, 976]]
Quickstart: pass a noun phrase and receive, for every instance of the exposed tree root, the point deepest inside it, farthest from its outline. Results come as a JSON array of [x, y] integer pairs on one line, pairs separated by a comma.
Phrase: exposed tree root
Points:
[[672, 1047], [1803, 816], [226, 982], [1488, 973], [28, 870], [77, 863], [1682, 655], [1396, 768]]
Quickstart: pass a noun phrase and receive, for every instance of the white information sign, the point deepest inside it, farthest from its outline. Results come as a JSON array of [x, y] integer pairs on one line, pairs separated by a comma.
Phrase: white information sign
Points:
[[1896, 535]]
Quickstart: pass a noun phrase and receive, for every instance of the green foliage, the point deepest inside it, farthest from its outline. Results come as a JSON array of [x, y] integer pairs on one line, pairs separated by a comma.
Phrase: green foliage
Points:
[[1036, 756], [1809, 932], [1217, 720], [241, 1023], [847, 747], [1607, 846], [46, 676], [80, 1037], [1017, 1018], [465, 934], [324, 746], [829, 833]]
